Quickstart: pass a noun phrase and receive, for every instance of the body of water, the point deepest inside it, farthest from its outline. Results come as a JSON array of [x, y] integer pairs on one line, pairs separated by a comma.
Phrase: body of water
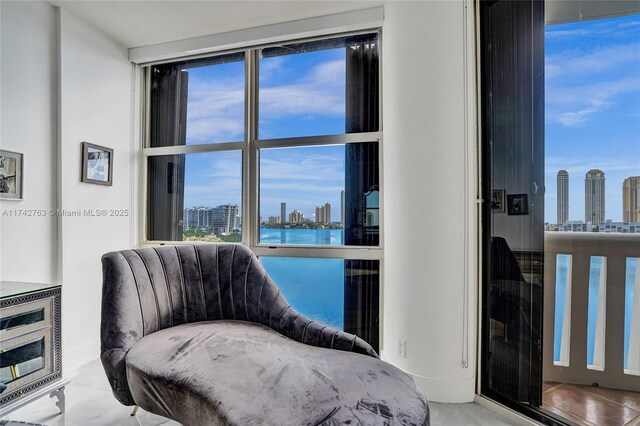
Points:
[[317, 237], [314, 287]]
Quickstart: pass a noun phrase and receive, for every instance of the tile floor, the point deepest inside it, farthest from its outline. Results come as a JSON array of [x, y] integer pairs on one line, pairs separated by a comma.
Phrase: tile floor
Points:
[[90, 403], [589, 405]]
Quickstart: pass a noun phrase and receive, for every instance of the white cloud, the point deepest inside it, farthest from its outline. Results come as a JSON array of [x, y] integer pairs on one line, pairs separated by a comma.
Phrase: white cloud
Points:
[[566, 33], [215, 112], [300, 188], [321, 92], [300, 165], [630, 24], [216, 108], [578, 167], [573, 106], [577, 62], [213, 192]]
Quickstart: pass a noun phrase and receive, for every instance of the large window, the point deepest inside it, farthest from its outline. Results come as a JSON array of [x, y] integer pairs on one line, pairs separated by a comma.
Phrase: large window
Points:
[[276, 147]]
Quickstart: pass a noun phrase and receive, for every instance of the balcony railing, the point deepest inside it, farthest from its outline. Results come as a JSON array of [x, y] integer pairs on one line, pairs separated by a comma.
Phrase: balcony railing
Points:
[[607, 367]]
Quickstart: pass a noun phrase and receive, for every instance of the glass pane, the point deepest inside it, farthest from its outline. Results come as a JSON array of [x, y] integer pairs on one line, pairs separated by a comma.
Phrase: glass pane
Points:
[[596, 311], [632, 318], [325, 195], [513, 185], [198, 102], [592, 186], [319, 88], [22, 319], [562, 309], [339, 293], [20, 360], [195, 197]]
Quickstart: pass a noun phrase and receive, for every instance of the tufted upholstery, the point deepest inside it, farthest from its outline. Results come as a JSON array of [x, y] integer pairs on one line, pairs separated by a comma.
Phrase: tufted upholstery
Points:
[[151, 289]]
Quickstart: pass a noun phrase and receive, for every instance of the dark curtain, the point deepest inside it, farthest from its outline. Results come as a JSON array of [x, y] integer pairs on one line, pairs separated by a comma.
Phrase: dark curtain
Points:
[[362, 299], [169, 87], [362, 288]]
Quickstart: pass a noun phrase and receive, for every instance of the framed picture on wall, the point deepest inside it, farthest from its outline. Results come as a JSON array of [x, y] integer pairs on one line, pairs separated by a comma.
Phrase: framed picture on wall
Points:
[[497, 200], [517, 204], [97, 164], [11, 164]]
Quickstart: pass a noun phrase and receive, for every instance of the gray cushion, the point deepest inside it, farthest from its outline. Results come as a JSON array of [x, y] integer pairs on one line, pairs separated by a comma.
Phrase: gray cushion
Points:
[[150, 289], [242, 373], [201, 334]]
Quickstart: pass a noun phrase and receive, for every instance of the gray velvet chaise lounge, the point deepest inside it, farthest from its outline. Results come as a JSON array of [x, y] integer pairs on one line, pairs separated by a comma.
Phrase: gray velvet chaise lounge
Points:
[[200, 334]]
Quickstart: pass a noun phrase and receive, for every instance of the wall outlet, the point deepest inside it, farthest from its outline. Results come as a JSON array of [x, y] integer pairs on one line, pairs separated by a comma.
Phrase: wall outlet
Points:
[[402, 348]]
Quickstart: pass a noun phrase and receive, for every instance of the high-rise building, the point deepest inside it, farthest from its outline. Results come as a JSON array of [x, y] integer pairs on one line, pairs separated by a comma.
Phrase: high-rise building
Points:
[[197, 217], [563, 197], [221, 219], [342, 207], [274, 220], [594, 197], [224, 219], [283, 212], [631, 199], [323, 213], [296, 216]]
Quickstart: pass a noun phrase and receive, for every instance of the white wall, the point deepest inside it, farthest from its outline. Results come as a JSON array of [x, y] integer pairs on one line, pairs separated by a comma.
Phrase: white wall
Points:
[[64, 83], [429, 197], [428, 177], [27, 125], [95, 107]]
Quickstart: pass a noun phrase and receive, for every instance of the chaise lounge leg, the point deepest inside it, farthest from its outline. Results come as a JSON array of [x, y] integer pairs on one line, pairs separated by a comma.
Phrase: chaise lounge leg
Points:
[[135, 410]]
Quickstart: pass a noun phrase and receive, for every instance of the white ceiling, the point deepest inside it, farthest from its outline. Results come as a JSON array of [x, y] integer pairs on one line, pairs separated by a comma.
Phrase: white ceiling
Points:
[[142, 23]]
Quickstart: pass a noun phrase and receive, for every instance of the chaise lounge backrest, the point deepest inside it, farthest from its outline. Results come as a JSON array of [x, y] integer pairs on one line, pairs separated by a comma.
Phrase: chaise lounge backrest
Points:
[[150, 289]]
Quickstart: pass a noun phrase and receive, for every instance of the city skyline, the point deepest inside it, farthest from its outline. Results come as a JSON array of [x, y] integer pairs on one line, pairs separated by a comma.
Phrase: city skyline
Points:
[[595, 198], [592, 109], [299, 176]]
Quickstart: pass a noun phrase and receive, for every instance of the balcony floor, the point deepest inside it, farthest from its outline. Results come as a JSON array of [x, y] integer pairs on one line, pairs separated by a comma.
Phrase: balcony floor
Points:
[[590, 405]]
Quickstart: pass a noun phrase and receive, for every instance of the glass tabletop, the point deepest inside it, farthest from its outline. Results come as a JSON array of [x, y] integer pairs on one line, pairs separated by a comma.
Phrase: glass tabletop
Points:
[[15, 288]]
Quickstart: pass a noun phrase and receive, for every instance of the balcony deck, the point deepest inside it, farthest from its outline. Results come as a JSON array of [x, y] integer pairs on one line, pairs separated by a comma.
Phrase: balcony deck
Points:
[[591, 405], [568, 388]]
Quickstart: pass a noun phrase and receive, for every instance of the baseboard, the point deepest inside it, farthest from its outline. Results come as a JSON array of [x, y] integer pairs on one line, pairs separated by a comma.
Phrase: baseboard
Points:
[[508, 414], [449, 390], [78, 356]]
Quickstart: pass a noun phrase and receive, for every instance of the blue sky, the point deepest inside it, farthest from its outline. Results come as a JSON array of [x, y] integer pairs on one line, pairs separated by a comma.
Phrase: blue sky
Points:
[[592, 108], [300, 95], [592, 121]]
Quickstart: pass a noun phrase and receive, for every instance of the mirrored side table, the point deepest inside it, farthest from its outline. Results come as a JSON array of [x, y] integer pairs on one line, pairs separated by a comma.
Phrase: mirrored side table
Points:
[[30, 345]]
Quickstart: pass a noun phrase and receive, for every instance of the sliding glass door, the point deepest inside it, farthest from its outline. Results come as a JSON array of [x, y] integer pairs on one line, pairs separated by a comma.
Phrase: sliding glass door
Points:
[[512, 70]]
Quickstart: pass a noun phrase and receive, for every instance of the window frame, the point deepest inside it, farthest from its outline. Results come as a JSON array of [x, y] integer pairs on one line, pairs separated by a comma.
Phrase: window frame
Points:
[[249, 148]]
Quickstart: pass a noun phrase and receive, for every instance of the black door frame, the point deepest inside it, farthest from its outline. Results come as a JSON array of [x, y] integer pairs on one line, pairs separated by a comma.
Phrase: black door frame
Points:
[[537, 15]]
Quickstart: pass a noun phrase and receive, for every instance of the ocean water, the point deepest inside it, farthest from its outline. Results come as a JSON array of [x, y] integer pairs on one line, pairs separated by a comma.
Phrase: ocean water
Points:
[[314, 287], [322, 237], [594, 287]]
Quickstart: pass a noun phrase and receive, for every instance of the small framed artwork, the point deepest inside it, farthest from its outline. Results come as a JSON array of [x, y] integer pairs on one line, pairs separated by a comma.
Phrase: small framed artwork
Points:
[[517, 204], [497, 200], [97, 164], [11, 164]]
